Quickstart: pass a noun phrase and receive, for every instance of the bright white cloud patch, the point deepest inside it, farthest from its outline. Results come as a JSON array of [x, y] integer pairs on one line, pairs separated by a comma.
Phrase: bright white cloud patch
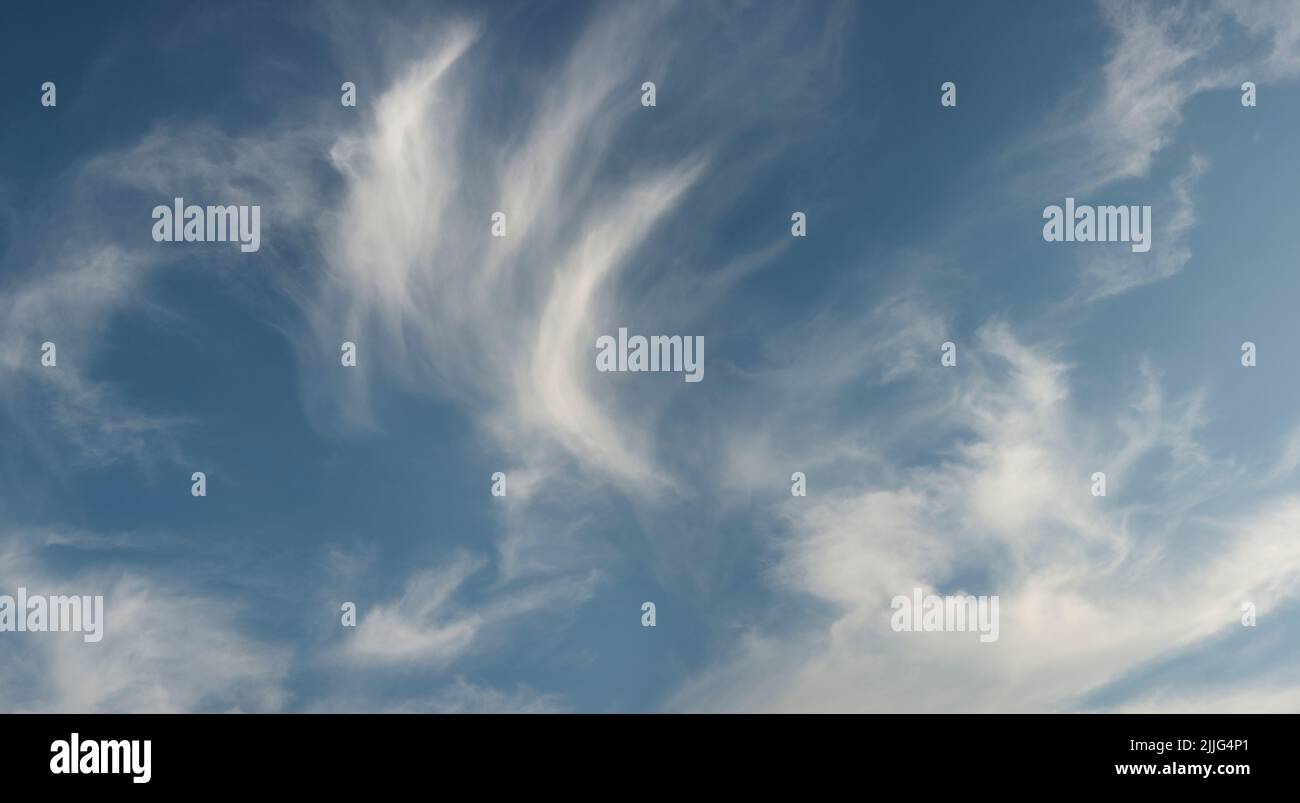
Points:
[[1090, 589]]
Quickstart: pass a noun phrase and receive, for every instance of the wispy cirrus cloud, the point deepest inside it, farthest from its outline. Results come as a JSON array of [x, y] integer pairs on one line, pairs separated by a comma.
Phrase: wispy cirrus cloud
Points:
[[976, 478], [433, 622], [1110, 135], [499, 323], [166, 646], [1115, 272], [1091, 589]]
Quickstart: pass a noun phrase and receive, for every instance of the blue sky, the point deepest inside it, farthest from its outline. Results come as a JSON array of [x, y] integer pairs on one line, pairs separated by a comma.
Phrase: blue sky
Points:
[[371, 484]]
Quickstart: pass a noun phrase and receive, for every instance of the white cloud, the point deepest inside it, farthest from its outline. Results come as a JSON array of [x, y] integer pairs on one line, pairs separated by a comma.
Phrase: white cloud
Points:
[[90, 272], [165, 648], [1156, 65], [1261, 700], [1120, 270], [458, 697], [1162, 57], [1113, 132], [69, 301], [1277, 21], [1091, 588], [498, 323], [434, 622]]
